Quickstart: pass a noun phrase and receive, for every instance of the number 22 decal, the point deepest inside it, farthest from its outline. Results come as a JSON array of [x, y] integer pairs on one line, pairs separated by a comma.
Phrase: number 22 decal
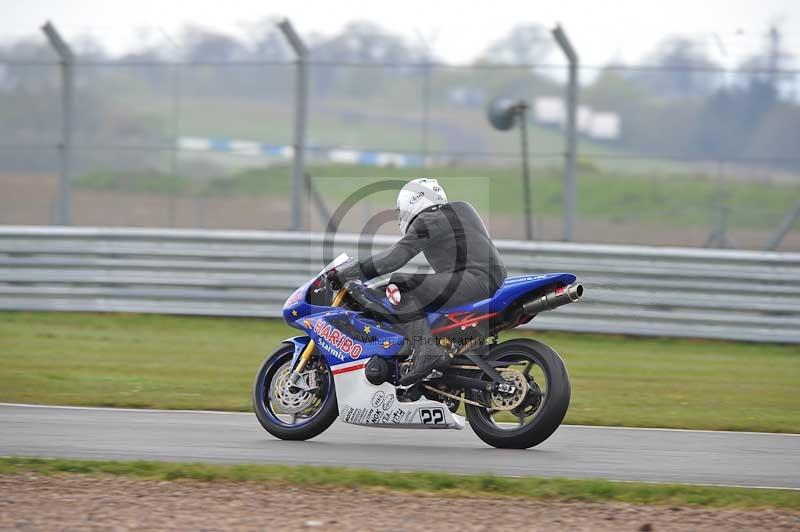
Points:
[[431, 416]]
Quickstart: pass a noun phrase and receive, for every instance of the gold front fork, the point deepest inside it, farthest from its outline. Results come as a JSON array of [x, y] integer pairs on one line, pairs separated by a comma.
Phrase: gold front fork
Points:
[[305, 356]]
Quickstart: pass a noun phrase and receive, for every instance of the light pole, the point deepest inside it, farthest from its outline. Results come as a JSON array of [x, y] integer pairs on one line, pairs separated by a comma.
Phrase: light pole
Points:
[[503, 115]]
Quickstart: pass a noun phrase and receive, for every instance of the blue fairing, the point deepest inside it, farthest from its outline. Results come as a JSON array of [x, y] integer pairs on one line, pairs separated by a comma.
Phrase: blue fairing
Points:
[[299, 343], [513, 288], [341, 335], [344, 335]]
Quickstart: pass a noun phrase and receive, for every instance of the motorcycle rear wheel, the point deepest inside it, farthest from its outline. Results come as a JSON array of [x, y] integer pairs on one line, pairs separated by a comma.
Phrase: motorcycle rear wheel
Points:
[[540, 413]]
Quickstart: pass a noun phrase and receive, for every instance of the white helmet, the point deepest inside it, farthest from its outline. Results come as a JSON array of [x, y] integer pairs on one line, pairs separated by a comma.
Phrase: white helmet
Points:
[[415, 197]]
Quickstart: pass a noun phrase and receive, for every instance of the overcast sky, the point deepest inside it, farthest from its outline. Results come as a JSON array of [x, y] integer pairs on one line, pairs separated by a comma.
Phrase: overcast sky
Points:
[[459, 30]]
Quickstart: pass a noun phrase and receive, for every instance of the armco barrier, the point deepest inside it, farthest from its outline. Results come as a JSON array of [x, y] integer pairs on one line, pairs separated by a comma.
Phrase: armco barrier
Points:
[[742, 295]]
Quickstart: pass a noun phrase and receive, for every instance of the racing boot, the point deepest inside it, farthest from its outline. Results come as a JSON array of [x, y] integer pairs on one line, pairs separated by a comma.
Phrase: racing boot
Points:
[[427, 355]]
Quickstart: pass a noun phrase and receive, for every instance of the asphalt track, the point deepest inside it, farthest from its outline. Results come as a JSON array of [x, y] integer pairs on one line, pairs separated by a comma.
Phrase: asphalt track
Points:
[[652, 455]]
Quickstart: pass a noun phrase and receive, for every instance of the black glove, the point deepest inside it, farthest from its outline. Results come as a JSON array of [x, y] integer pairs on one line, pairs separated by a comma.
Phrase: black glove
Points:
[[346, 272]]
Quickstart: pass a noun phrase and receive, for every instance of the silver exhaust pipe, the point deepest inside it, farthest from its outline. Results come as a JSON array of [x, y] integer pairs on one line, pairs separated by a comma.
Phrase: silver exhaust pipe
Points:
[[561, 296]]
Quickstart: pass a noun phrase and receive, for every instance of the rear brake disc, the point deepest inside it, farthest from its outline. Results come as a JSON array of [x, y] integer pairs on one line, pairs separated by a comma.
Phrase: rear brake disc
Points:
[[510, 401]]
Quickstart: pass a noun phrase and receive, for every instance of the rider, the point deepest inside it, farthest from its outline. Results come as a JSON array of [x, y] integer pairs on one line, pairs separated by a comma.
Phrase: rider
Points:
[[458, 248]]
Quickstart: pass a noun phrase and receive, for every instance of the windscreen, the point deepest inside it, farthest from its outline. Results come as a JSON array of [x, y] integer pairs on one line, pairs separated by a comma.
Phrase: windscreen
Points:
[[338, 261]]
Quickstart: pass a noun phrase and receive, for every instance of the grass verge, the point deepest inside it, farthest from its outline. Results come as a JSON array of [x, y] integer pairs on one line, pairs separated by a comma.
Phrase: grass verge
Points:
[[439, 483], [178, 362]]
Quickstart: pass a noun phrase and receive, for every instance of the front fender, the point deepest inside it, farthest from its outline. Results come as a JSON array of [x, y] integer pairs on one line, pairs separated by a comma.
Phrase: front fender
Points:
[[299, 343]]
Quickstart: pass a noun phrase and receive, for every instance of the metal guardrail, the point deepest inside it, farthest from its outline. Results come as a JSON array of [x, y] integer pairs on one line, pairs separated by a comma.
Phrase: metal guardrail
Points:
[[740, 295]]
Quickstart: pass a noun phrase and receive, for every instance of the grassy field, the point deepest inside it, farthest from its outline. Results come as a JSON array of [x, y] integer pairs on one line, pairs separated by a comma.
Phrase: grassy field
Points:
[[389, 126], [438, 483], [669, 200], [208, 363]]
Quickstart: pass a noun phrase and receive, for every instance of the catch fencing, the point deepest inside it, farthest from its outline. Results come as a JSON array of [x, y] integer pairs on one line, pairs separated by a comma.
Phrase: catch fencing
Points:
[[179, 136], [676, 292]]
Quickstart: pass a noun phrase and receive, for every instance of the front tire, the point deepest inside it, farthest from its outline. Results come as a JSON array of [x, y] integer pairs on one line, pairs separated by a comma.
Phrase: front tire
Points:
[[547, 406], [307, 422]]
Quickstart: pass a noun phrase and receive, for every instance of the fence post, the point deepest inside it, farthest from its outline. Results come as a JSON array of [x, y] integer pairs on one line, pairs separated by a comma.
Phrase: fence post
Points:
[[66, 61], [719, 235], [785, 226], [570, 163], [174, 164], [297, 179]]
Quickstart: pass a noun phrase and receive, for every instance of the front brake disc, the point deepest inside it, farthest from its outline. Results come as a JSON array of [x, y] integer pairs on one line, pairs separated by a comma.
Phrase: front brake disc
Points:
[[289, 398]]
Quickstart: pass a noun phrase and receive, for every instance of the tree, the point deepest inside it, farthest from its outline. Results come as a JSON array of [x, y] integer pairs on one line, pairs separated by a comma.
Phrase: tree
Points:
[[777, 136], [365, 42], [525, 44], [361, 43], [682, 69], [741, 120], [765, 67], [268, 43], [730, 117], [202, 45]]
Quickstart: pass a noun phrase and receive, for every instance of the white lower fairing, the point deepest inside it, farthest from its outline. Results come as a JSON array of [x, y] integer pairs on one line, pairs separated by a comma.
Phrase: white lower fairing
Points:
[[363, 403]]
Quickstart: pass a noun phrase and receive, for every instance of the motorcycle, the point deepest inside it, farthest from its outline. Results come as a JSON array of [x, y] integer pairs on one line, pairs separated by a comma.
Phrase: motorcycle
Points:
[[348, 362]]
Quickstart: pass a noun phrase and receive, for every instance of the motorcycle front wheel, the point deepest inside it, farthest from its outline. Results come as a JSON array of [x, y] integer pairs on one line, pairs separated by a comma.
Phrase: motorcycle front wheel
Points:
[[535, 410], [288, 412]]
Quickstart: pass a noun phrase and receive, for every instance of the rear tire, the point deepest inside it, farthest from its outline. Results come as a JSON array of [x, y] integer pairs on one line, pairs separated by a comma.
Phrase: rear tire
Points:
[[550, 412], [322, 418]]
